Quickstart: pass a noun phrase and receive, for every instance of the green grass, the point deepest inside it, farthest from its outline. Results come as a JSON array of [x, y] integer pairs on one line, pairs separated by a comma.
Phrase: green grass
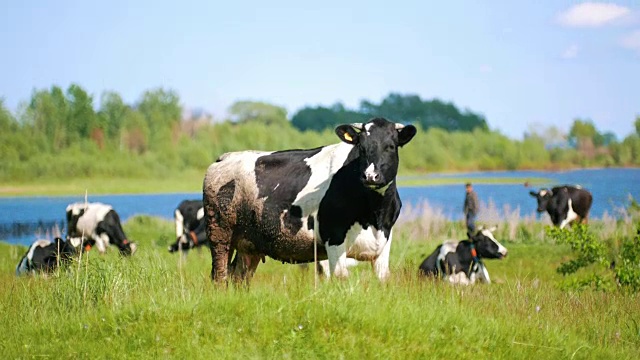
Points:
[[161, 305], [186, 181]]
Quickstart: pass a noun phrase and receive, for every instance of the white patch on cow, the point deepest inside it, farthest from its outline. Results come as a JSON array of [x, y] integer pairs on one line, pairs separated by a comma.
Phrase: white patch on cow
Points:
[[501, 249], [365, 244], [179, 223], [323, 166], [94, 213], [483, 274], [370, 172], [543, 192], [459, 278], [381, 263], [75, 241], [368, 128], [200, 213], [446, 248], [571, 215], [337, 260], [278, 184], [324, 266], [102, 242]]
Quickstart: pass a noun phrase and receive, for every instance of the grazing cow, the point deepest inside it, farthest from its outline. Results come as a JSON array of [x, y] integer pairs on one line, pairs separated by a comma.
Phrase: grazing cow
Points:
[[461, 261], [190, 227], [45, 256], [565, 204], [97, 224], [339, 200]]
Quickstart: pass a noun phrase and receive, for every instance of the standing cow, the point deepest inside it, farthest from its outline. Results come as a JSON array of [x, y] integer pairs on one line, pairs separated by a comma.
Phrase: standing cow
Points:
[[45, 256], [190, 226], [340, 200], [460, 262], [97, 224], [565, 204]]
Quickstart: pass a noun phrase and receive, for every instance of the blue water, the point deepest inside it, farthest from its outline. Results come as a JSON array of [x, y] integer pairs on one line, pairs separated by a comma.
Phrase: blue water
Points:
[[20, 217]]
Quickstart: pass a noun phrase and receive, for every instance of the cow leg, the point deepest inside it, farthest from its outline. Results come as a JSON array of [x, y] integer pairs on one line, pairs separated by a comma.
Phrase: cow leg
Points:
[[179, 223], [337, 255], [381, 263], [102, 241]]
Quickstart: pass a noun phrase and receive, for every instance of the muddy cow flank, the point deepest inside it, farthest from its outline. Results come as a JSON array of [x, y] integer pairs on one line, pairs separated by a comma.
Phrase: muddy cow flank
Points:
[[340, 200], [460, 262], [45, 256], [190, 226], [97, 224], [564, 204]]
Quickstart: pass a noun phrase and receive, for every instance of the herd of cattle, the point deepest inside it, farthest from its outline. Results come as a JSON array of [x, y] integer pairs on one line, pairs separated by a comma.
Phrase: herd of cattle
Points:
[[334, 205]]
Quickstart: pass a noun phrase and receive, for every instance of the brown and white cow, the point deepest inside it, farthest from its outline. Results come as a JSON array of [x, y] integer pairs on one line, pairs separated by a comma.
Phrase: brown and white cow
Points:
[[340, 199]]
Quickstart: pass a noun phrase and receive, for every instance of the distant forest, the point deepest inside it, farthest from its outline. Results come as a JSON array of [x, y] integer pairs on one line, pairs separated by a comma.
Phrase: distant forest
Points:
[[58, 134]]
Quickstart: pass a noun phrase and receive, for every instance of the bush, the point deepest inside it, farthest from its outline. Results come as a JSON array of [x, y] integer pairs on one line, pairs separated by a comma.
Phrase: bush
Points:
[[627, 269]]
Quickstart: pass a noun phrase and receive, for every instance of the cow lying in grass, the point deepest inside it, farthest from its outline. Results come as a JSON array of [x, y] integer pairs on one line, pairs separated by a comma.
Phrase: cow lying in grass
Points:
[[460, 262], [45, 256]]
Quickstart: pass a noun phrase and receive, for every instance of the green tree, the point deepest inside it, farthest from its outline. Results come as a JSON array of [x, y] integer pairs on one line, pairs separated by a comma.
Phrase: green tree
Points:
[[250, 111], [112, 114], [161, 111], [81, 118]]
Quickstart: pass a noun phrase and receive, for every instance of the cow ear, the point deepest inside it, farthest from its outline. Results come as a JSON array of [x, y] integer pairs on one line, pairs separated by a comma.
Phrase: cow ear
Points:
[[405, 134], [469, 235], [533, 193], [347, 134]]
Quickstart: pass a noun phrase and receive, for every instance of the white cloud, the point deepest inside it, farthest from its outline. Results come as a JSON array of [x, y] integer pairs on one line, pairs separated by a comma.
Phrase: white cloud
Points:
[[631, 41], [570, 52], [486, 68], [592, 14]]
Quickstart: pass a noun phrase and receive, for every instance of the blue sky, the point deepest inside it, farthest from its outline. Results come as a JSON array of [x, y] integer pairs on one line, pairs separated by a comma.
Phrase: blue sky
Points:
[[520, 64]]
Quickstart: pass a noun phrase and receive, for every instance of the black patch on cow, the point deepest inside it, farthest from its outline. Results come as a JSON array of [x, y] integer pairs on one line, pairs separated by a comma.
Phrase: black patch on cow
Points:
[[111, 226], [46, 258], [189, 211], [72, 223], [348, 202], [310, 223], [556, 202], [280, 177]]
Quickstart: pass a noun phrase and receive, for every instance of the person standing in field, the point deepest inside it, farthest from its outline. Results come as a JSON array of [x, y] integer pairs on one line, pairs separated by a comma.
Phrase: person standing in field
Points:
[[471, 207]]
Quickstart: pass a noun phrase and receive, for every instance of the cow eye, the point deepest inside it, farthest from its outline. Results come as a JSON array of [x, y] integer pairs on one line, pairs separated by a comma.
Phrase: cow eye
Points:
[[391, 147]]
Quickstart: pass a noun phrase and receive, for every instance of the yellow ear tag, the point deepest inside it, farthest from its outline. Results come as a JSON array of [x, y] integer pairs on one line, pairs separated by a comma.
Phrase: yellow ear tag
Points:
[[348, 137]]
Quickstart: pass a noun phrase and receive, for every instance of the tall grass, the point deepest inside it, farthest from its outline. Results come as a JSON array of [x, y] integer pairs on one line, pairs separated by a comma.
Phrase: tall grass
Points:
[[161, 305]]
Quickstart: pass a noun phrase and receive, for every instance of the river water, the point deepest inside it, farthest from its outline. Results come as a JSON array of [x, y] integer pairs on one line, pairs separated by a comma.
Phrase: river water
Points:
[[23, 219]]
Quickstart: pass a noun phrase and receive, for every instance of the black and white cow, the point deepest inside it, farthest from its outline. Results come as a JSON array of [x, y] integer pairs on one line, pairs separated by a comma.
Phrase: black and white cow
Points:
[[97, 224], [45, 256], [565, 204], [460, 262], [190, 226], [339, 199]]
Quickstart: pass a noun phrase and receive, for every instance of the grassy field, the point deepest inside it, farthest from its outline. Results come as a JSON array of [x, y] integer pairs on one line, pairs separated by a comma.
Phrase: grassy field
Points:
[[161, 305]]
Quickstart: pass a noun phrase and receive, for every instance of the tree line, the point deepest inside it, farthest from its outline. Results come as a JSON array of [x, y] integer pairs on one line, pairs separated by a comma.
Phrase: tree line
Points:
[[60, 133]]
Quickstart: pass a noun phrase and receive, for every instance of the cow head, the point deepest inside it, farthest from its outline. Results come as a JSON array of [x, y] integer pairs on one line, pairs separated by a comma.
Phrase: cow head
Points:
[[377, 142], [486, 244], [543, 196], [64, 248], [127, 248]]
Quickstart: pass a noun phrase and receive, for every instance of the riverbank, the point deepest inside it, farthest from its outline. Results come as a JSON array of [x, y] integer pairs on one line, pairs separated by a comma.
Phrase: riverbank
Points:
[[191, 181]]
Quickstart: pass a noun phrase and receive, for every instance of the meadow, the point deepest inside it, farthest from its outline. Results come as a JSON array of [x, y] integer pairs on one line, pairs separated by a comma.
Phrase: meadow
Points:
[[161, 305]]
